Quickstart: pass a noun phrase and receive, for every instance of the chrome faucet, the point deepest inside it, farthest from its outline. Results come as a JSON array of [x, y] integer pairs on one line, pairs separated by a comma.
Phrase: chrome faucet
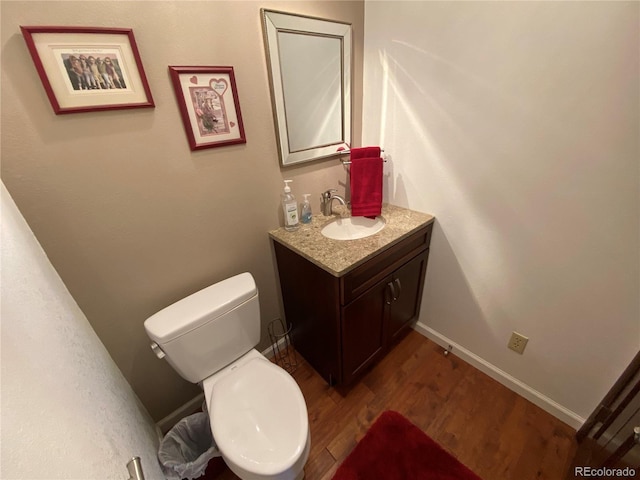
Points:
[[327, 199]]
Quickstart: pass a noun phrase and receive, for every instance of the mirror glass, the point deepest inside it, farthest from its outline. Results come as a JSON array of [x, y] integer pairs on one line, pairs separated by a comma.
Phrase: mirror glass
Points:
[[309, 62]]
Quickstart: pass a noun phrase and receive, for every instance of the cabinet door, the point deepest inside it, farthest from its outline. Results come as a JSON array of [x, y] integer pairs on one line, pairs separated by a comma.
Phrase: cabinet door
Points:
[[406, 287], [363, 330]]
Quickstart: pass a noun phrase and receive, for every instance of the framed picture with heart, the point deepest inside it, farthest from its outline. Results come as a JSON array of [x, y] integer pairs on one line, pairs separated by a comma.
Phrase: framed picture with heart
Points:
[[209, 105]]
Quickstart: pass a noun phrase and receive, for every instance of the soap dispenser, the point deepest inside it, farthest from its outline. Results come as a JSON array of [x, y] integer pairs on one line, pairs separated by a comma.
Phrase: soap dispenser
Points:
[[289, 208], [306, 209]]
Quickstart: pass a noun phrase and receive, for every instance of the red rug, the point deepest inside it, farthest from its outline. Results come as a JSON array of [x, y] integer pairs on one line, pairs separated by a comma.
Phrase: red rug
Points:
[[395, 449]]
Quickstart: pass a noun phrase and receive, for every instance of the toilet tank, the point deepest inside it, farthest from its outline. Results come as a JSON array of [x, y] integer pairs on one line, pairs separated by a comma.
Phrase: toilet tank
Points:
[[209, 329]]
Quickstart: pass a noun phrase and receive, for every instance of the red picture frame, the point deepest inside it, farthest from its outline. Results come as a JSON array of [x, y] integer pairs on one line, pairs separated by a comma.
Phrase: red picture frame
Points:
[[209, 105], [88, 69]]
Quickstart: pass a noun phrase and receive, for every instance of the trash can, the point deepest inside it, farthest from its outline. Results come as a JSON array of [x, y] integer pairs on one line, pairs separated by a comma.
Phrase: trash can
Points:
[[187, 448]]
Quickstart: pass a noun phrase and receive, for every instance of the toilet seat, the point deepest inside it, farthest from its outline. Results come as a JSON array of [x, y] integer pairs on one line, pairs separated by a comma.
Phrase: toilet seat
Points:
[[258, 416]]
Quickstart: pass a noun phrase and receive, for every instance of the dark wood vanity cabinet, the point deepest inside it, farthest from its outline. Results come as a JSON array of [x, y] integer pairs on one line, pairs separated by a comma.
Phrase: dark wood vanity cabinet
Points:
[[373, 321], [342, 325]]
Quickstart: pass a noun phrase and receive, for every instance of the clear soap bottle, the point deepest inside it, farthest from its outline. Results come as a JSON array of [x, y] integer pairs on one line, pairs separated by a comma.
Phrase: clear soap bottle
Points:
[[305, 215], [290, 208]]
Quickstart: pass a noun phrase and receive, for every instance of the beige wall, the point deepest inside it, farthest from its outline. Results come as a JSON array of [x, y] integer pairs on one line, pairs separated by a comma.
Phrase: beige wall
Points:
[[131, 218]]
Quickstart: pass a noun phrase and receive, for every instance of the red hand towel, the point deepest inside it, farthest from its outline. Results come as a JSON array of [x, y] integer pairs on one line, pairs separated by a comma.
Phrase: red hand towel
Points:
[[365, 152], [366, 182]]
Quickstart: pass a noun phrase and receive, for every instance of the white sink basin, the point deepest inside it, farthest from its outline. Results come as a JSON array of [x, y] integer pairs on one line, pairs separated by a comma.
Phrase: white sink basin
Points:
[[352, 228]]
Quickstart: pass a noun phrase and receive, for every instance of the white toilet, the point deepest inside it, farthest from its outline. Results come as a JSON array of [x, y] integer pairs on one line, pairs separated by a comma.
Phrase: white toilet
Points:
[[257, 412]]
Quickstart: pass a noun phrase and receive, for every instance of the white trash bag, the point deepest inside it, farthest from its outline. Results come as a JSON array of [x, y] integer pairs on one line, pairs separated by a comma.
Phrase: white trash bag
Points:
[[187, 448]]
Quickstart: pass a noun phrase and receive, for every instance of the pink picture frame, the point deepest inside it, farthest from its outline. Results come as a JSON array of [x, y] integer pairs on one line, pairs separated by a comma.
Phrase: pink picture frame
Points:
[[209, 105], [88, 69]]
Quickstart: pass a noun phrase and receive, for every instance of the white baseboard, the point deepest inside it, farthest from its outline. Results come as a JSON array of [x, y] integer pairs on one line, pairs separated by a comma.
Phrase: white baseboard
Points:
[[564, 414]]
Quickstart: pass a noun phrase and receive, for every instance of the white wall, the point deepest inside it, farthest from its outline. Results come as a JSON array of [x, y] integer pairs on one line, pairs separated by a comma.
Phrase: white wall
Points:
[[67, 411], [516, 124]]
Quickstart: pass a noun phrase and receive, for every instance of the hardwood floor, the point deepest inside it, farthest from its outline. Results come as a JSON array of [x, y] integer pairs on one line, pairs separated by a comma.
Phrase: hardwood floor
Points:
[[493, 431]]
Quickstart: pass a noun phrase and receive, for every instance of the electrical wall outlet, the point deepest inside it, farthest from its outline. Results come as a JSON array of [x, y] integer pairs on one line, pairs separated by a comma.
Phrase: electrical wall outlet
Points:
[[517, 342]]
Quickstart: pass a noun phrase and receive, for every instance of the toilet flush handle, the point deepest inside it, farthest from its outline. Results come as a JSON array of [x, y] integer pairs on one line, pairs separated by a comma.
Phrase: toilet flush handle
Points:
[[157, 350]]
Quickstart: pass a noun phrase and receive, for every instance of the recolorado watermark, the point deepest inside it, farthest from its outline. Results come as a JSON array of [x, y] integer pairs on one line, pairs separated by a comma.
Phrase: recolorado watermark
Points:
[[604, 472]]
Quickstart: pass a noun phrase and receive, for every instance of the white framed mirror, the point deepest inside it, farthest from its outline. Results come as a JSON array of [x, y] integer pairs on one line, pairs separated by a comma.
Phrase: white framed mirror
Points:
[[309, 62]]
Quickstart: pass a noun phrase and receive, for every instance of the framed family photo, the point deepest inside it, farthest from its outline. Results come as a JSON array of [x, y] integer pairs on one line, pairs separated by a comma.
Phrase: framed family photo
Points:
[[85, 69], [209, 105]]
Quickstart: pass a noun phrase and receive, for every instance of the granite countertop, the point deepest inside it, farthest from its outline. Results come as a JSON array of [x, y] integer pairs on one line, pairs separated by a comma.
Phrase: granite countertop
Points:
[[341, 256]]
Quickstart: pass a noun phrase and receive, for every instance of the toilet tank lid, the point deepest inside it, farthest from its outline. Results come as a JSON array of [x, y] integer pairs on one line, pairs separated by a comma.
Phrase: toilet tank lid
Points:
[[200, 307]]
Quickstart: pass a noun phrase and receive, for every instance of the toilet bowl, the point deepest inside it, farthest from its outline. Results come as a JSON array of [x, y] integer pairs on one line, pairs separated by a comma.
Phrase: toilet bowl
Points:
[[258, 419], [257, 412]]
